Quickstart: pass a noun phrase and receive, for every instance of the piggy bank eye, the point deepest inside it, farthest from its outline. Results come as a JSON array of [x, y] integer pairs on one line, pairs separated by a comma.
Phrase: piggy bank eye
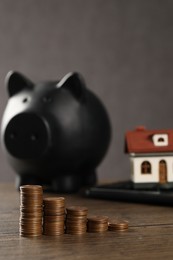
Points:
[[47, 99]]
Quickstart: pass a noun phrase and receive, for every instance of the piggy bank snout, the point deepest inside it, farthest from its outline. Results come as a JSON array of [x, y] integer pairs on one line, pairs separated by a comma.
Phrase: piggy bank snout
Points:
[[26, 136]]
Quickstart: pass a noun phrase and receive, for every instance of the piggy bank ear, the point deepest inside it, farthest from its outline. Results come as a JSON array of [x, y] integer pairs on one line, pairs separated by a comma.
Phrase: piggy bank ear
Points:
[[74, 83], [15, 82]]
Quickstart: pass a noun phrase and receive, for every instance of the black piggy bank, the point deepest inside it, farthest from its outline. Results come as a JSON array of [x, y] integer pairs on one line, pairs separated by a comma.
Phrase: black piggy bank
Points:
[[54, 133]]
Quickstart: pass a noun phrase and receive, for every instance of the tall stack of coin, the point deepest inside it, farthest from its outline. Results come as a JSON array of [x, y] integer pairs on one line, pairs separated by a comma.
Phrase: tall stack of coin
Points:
[[97, 224], [76, 220], [118, 225], [31, 210], [54, 216]]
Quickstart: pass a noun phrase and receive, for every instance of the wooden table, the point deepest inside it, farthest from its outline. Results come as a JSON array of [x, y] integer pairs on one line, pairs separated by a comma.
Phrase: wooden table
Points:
[[150, 235]]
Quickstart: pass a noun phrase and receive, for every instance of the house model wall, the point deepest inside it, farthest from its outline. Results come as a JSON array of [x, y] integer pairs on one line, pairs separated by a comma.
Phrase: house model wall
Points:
[[151, 157]]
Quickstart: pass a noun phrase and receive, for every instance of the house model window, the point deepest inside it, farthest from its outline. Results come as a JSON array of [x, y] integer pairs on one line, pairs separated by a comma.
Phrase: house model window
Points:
[[146, 167], [160, 139]]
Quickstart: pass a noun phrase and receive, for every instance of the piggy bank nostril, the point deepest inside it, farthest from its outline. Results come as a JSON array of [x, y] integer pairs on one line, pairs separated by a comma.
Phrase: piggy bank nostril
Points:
[[47, 99], [13, 136], [33, 137]]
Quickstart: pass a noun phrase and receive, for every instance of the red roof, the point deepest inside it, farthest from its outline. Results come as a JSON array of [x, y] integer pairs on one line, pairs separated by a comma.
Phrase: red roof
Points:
[[140, 141]]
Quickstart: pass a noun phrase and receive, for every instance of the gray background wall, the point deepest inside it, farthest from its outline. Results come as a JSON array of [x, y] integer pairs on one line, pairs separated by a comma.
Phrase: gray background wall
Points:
[[124, 49]]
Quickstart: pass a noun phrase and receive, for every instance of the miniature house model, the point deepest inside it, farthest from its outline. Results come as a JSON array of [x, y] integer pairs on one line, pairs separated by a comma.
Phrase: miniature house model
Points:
[[151, 157]]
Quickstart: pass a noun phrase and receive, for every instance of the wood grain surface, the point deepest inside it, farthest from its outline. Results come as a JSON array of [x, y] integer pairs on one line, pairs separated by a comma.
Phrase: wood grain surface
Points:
[[150, 234]]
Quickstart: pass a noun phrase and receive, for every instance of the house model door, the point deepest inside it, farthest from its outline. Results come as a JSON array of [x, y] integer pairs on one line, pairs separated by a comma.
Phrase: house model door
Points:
[[162, 172]]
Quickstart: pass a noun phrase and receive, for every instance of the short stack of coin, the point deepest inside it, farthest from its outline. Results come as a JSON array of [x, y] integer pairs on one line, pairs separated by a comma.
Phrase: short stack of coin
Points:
[[54, 216], [118, 225], [97, 224], [31, 210], [76, 220]]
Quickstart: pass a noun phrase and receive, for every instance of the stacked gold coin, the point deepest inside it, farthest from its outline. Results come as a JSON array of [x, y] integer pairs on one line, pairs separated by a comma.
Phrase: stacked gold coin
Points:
[[97, 224], [54, 216], [118, 225], [76, 220], [31, 208]]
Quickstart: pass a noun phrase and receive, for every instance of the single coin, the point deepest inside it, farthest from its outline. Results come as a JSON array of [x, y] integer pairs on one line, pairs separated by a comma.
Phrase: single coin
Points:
[[77, 210], [76, 217], [54, 218], [75, 232], [54, 201], [29, 187], [98, 219], [54, 213]]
